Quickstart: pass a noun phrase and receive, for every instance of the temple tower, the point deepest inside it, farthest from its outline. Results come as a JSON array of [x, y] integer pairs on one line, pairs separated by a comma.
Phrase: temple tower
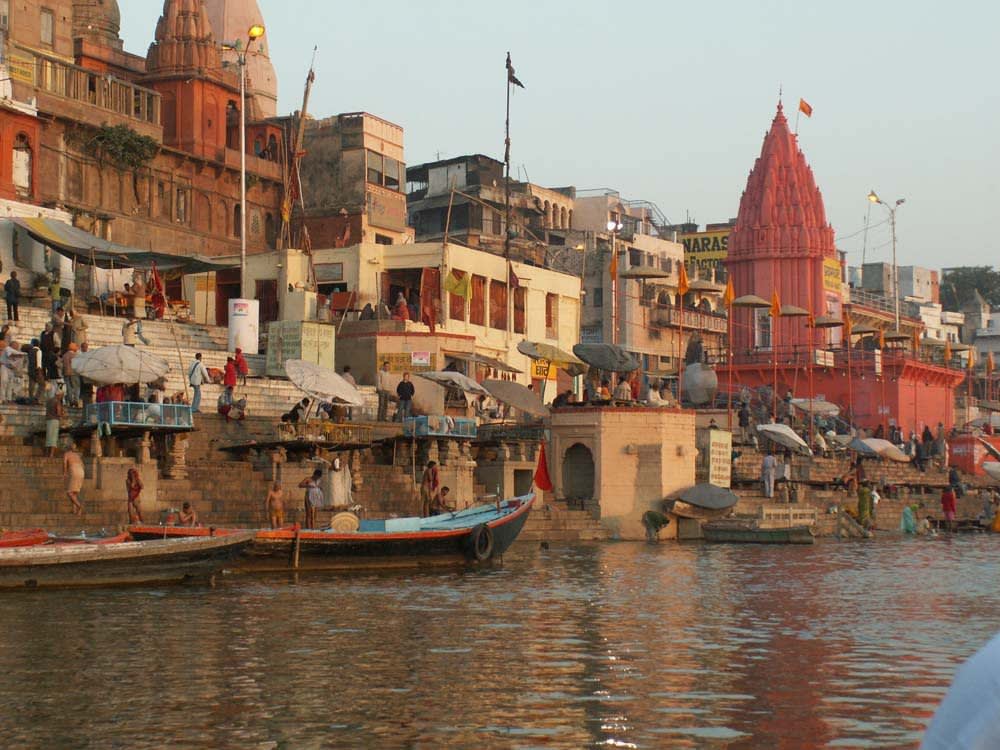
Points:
[[98, 21], [230, 21], [782, 242]]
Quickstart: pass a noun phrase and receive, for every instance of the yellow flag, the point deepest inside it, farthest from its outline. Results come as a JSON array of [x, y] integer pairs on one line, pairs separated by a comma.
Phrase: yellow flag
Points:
[[682, 283], [775, 311], [460, 286], [730, 294]]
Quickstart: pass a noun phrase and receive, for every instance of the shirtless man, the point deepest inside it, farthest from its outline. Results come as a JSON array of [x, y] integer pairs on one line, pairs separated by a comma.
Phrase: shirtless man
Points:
[[275, 505], [73, 473], [188, 515]]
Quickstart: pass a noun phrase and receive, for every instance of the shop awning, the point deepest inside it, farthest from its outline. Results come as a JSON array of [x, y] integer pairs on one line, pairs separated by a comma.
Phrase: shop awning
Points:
[[93, 251], [481, 359]]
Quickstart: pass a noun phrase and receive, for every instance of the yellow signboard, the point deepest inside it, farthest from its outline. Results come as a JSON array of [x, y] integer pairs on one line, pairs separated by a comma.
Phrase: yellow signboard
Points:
[[21, 67], [831, 275], [542, 370], [706, 249]]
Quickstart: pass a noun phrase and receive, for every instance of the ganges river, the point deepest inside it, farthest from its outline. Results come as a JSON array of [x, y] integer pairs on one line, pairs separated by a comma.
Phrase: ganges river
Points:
[[614, 645]]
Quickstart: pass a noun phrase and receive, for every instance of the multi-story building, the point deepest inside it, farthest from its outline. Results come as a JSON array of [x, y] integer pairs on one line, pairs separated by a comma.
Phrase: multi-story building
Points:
[[142, 151]]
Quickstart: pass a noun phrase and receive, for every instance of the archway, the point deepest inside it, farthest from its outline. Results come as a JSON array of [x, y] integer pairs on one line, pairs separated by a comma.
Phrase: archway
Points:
[[578, 473]]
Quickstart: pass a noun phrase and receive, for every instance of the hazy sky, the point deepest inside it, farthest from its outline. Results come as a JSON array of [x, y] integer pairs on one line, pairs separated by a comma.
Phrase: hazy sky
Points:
[[669, 102]]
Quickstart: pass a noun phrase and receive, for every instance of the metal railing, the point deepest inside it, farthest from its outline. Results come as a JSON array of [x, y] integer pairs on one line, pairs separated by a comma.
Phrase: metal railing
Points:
[[510, 433], [439, 426], [138, 414], [336, 432]]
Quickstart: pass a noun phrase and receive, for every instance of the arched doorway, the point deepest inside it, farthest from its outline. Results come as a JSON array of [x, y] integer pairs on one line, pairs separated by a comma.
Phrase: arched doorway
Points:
[[578, 473]]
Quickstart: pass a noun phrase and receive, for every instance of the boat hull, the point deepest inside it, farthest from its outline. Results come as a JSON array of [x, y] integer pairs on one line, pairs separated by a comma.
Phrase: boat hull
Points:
[[305, 549], [25, 538], [744, 535], [118, 564]]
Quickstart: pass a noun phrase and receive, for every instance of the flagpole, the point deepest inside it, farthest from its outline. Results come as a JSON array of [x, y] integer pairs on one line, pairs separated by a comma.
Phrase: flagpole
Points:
[[506, 199], [729, 362]]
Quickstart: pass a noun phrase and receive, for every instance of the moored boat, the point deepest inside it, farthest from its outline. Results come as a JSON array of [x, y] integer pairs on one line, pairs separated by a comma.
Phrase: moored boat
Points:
[[746, 531], [71, 565], [23, 538], [472, 536]]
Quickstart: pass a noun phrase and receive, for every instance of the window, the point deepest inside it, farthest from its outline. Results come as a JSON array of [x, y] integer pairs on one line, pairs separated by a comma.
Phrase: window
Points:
[[520, 295], [22, 164], [598, 296], [182, 206], [375, 163], [237, 221], [634, 257], [391, 172], [381, 239], [762, 328], [270, 235], [551, 316], [4, 14], [163, 199], [477, 308], [497, 224], [498, 305], [48, 26]]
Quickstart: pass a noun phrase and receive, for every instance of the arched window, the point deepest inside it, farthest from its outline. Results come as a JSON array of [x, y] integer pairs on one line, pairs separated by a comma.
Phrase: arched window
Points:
[[237, 224], [22, 164], [270, 236], [272, 148]]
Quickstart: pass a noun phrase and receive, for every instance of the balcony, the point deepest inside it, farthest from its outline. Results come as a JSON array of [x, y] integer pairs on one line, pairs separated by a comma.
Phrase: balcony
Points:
[[139, 414], [671, 317], [440, 426]]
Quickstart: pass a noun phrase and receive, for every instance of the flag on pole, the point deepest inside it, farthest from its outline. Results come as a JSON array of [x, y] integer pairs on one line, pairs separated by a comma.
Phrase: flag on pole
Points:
[[683, 285], [542, 479], [775, 311], [613, 267], [971, 364], [512, 279], [990, 365], [881, 339], [805, 108], [847, 327], [729, 295], [511, 78], [947, 352]]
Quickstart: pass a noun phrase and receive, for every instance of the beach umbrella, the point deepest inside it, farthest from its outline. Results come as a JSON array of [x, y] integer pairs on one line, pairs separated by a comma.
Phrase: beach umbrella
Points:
[[609, 357], [885, 449], [451, 379], [816, 406], [752, 301], [516, 395], [119, 364], [791, 311], [827, 321], [553, 355], [785, 436], [863, 330], [322, 383], [897, 336], [992, 469], [709, 496]]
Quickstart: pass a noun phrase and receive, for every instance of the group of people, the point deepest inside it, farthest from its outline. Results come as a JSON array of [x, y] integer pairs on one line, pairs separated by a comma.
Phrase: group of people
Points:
[[236, 371], [434, 499]]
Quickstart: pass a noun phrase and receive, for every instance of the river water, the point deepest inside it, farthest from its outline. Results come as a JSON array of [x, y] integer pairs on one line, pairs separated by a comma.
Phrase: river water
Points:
[[613, 645]]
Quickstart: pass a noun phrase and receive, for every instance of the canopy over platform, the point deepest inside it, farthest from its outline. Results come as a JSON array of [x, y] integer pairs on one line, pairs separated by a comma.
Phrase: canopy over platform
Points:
[[85, 248]]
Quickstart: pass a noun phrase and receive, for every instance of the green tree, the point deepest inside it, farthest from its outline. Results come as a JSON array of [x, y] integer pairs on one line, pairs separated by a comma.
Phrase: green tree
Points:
[[958, 284]]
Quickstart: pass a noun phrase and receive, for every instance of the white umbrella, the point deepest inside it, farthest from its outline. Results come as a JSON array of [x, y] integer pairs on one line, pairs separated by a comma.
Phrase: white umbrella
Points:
[[785, 436], [886, 449], [454, 380], [992, 468], [816, 406], [518, 396], [322, 383], [119, 364]]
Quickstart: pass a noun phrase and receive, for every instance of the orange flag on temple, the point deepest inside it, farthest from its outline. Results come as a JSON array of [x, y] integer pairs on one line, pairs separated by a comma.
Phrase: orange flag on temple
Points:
[[805, 108], [847, 326], [542, 479], [730, 294], [971, 364], [775, 311], [682, 283], [990, 365], [881, 338], [916, 341], [947, 352]]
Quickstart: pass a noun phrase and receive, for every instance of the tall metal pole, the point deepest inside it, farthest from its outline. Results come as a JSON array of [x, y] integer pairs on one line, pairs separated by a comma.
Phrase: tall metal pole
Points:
[[614, 289], [508, 312], [242, 58], [895, 268]]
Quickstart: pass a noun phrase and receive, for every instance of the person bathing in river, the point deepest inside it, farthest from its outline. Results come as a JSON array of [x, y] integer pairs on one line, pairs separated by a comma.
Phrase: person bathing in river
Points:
[[313, 498], [275, 506], [188, 516], [73, 473]]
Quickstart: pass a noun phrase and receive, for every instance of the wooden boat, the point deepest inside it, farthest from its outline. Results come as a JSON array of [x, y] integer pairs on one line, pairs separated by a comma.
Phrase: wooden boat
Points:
[[118, 563], [747, 531], [703, 502], [472, 536], [24, 538]]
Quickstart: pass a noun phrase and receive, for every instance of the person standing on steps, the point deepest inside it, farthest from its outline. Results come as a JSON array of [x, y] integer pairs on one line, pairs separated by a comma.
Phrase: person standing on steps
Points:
[[133, 490], [12, 295], [313, 498], [229, 373], [383, 388], [197, 376], [54, 412], [274, 504], [73, 473], [405, 392], [768, 472], [242, 367], [430, 488]]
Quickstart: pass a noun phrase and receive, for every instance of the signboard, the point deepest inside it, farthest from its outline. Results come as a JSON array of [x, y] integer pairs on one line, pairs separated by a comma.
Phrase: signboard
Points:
[[831, 275], [706, 249], [541, 370], [400, 362], [420, 359], [21, 67], [293, 339], [720, 457], [326, 272]]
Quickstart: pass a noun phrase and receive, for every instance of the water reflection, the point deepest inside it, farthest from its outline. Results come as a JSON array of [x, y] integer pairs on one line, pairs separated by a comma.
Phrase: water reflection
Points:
[[621, 645]]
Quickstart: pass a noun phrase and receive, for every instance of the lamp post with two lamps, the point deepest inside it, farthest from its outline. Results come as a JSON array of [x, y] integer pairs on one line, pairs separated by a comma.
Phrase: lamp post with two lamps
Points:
[[253, 33], [614, 227], [873, 197]]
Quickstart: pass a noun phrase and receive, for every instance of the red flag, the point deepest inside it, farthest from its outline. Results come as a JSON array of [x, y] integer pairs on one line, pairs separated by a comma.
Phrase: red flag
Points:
[[512, 279], [805, 108], [542, 479]]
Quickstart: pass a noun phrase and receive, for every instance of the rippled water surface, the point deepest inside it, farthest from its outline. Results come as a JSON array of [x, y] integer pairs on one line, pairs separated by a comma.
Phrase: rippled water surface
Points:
[[617, 645]]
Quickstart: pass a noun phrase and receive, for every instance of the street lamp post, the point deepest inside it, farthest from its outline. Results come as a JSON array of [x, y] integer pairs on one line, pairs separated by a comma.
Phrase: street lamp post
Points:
[[253, 33], [873, 197], [614, 226]]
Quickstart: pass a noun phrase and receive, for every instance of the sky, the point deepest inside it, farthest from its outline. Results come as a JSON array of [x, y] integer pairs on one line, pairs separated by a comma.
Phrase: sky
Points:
[[669, 102]]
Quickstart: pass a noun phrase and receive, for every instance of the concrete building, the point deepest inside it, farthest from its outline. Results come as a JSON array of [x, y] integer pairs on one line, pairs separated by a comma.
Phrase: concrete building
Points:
[[464, 199], [708, 249], [353, 179]]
